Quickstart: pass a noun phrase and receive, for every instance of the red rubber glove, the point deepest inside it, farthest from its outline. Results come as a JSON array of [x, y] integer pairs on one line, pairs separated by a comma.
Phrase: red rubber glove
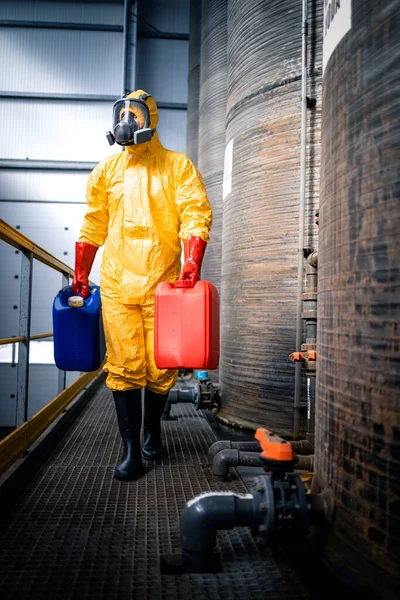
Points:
[[84, 257], [194, 249]]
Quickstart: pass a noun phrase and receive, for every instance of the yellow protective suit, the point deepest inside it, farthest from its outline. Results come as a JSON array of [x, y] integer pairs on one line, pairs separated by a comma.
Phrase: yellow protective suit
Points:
[[141, 203]]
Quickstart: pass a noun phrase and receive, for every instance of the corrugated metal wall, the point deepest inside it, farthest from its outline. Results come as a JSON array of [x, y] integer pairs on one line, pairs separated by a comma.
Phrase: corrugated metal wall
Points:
[[163, 65], [61, 70]]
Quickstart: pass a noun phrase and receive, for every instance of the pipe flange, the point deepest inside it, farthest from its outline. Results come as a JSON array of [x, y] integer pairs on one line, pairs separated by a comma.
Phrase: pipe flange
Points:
[[280, 506], [264, 507], [197, 395]]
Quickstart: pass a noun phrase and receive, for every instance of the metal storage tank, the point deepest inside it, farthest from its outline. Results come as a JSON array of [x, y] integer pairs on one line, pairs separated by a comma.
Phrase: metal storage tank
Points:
[[192, 143], [213, 89], [358, 379], [261, 206]]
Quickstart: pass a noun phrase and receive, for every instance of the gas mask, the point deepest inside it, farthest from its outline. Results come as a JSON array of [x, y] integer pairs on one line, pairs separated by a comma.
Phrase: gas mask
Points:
[[131, 122]]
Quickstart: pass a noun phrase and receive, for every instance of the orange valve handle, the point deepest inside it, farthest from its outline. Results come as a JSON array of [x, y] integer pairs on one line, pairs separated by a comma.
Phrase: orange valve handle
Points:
[[296, 356], [274, 447]]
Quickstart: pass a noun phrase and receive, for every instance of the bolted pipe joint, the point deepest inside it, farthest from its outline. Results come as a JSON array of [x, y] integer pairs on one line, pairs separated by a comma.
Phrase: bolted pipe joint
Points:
[[227, 458], [280, 507], [181, 392], [201, 519], [276, 509]]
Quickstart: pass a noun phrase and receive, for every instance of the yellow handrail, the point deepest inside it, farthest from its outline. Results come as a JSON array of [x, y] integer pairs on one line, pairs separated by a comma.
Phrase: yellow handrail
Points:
[[18, 240], [40, 336], [12, 340], [19, 440], [22, 338], [15, 444]]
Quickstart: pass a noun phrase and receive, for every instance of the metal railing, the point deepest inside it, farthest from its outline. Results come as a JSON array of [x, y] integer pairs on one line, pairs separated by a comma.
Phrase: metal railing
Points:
[[27, 431]]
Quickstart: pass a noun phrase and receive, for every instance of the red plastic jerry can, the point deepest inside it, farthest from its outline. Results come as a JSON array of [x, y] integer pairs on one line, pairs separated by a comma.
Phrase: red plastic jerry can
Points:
[[186, 326]]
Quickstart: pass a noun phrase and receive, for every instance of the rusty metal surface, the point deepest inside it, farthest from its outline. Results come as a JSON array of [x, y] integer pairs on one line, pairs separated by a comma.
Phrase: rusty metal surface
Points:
[[261, 214], [358, 382], [213, 90], [77, 533]]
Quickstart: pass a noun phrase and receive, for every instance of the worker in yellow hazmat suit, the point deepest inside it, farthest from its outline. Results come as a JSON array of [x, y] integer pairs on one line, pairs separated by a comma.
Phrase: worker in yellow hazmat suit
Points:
[[141, 203]]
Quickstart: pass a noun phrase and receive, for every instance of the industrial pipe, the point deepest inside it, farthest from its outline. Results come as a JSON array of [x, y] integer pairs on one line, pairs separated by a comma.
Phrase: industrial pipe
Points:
[[227, 458], [309, 299], [302, 447], [276, 509], [249, 446], [300, 267], [200, 391], [200, 520], [230, 457], [299, 447], [310, 316], [313, 261], [304, 463], [181, 392]]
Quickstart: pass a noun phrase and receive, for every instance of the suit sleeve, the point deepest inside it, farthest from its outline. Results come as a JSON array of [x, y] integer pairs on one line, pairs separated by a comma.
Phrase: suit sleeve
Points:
[[95, 226], [194, 209]]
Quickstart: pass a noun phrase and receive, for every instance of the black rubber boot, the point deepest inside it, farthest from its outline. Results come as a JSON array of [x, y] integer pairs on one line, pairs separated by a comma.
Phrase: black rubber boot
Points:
[[128, 405], [153, 409]]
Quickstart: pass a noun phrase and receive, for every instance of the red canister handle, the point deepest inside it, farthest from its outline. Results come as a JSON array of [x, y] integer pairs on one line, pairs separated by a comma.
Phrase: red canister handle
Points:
[[183, 283]]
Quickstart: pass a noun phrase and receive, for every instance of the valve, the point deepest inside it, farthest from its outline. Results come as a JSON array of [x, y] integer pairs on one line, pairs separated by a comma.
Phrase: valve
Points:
[[296, 356], [280, 495], [276, 453]]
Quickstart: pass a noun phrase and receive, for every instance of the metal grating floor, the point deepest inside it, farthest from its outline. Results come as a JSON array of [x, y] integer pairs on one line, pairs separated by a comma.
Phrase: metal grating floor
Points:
[[77, 533]]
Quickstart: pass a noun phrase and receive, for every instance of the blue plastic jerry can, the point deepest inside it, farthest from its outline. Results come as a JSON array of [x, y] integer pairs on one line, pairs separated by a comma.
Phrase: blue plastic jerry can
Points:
[[78, 331]]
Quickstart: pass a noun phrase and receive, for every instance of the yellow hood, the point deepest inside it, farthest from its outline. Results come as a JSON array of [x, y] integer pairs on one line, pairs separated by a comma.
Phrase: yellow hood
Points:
[[152, 106]]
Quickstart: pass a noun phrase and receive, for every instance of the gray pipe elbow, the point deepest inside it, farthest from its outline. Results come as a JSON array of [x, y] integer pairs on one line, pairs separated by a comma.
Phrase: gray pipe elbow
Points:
[[312, 260], [234, 458], [204, 515], [222, 461], [217, 447]]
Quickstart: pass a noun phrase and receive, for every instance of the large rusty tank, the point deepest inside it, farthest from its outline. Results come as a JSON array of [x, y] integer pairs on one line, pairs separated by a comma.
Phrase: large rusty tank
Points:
[[261, 206], [358, 377], [213, 88]]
